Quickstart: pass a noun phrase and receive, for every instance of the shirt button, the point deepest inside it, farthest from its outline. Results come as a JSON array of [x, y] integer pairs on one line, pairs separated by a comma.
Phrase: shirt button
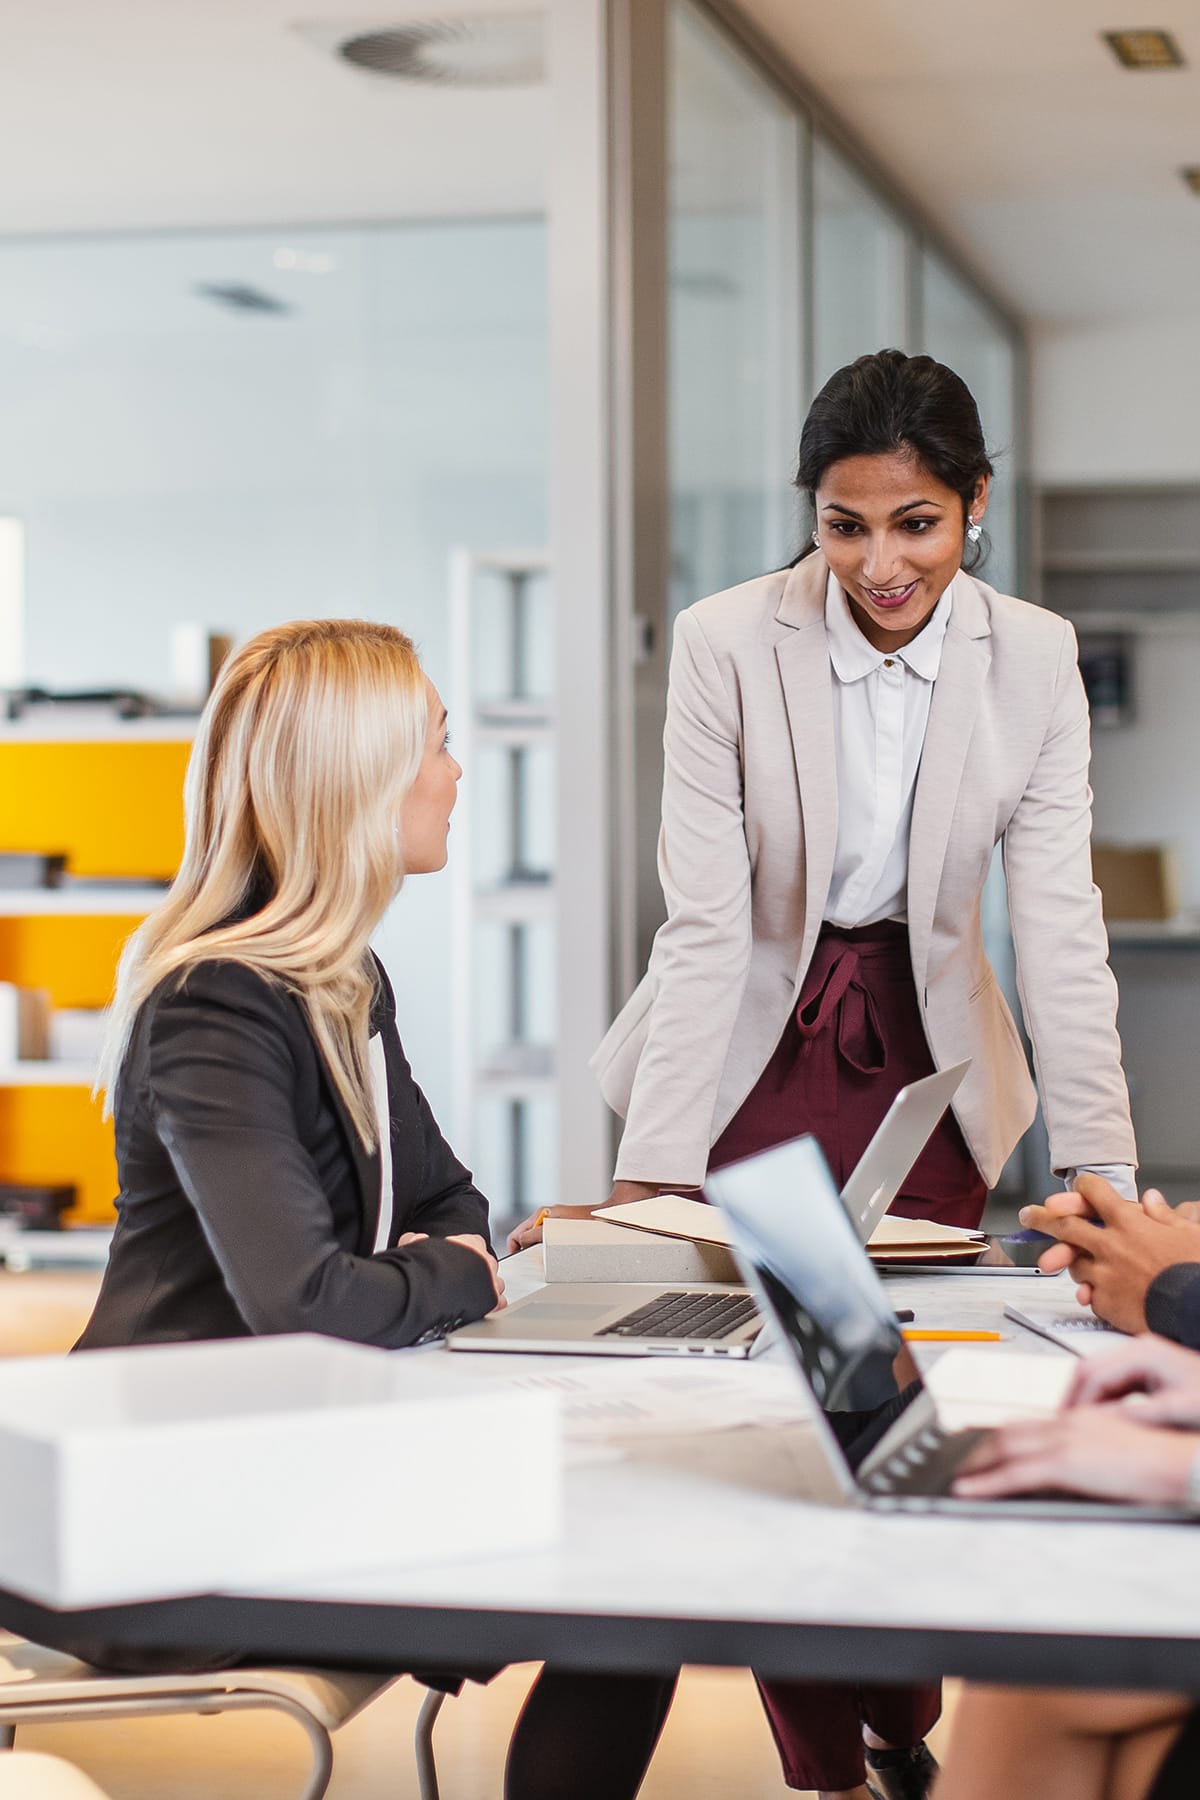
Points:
[[889, 662]]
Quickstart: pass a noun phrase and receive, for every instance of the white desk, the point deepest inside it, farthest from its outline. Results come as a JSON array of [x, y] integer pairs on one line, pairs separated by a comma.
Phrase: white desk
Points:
[[695, 1550]]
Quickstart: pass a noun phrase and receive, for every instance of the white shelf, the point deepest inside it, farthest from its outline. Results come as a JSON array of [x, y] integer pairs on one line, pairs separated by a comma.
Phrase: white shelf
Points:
[[518, 1072], [1184, 931], [503, 712], [94, 725], [517, 903], [46, 1073], [136, 898], [1121, 562], [512, 737]]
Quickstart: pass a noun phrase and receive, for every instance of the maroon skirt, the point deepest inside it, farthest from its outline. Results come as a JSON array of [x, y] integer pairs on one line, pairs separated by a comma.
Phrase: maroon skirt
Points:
[[854, 1040]]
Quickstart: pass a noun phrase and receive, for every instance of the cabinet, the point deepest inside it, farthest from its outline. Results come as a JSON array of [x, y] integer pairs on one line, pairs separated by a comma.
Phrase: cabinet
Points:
[[502, 868], [110, 796]]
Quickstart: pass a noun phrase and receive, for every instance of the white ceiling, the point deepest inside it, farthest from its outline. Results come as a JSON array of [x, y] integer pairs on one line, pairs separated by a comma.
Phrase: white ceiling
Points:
[[131, 113], [1054, 172]]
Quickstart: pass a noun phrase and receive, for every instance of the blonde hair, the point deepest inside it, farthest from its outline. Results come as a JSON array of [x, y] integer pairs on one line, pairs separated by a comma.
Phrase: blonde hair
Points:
[[313, 735]]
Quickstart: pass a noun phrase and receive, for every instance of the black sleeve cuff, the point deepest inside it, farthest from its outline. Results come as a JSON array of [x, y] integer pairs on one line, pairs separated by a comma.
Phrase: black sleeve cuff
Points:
[[1173, 1304]]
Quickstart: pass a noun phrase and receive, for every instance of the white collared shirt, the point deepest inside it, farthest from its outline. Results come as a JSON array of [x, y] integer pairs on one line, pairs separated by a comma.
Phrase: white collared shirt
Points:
[[383, 1124], [880, 714]]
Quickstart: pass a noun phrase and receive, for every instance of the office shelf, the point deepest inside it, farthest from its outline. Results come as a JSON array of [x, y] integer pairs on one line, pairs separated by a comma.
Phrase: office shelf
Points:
[[108, 794], [505, 898], [514, 902], [136, 899], [47, 1073]]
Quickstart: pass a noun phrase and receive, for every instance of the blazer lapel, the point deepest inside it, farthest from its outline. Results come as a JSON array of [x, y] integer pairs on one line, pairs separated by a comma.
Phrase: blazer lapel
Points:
[[966, 659], [803, 658]]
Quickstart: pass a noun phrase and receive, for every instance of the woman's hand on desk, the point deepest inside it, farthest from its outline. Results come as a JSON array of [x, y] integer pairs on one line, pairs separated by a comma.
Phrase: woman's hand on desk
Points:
[[529, 1231], [471, 1241], [1152, 1380], [1098, 1451]]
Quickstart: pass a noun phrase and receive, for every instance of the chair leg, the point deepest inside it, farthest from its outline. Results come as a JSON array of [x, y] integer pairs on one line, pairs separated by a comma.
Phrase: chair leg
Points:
[[427, 1781]]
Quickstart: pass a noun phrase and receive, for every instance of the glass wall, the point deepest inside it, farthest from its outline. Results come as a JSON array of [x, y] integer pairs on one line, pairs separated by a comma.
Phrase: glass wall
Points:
[[961, 331], [733, 312], [237, 428], [860, 263]]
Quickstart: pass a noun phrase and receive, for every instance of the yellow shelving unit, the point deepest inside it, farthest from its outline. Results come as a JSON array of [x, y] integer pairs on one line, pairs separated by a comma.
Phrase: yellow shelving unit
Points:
[[114, 805]]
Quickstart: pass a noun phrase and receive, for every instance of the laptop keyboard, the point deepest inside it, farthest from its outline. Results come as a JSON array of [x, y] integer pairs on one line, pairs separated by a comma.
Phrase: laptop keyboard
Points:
[[681, 1315], [926, 1464]]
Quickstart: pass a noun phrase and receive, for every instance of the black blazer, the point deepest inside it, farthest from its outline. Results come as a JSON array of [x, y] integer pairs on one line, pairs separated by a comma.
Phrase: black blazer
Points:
[[248, 1203]]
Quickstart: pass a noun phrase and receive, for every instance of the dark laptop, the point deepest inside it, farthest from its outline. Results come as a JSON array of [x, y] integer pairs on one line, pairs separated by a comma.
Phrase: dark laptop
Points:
[[876, 1431]]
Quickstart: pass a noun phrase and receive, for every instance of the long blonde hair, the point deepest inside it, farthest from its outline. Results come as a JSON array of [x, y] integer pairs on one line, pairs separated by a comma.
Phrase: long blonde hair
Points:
[[313, 735]]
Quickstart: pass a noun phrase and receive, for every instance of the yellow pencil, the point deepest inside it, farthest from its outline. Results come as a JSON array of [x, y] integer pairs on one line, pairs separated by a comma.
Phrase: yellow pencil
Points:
[[542, 1217], [953, 1337]]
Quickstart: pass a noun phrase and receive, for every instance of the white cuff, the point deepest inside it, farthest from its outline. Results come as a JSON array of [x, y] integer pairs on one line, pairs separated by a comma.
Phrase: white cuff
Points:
[[1118, 1175]]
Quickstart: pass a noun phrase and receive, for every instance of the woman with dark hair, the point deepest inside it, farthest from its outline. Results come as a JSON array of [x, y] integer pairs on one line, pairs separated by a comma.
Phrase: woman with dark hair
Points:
[[847, 741]]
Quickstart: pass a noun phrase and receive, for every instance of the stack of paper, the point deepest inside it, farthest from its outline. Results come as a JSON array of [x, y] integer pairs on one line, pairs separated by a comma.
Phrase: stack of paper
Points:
[[897, 1240], [893, 1240]]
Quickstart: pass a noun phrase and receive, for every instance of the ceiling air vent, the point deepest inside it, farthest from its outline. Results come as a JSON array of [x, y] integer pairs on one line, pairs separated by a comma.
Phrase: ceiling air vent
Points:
[[497, 50]]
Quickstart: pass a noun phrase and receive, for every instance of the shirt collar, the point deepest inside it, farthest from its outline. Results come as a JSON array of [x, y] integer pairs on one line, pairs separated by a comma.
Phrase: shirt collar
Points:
[[853, 657]]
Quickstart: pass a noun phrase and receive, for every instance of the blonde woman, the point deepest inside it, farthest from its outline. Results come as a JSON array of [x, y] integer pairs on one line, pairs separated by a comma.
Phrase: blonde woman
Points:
[[280, 1169]]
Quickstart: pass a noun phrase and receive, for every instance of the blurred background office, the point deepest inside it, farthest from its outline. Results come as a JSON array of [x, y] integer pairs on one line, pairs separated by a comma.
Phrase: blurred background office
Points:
[[499, 323]]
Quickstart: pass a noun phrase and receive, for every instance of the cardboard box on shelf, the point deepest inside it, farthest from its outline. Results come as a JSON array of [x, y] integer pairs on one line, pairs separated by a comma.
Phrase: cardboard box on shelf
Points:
[[1137, 881], [24, 1023]]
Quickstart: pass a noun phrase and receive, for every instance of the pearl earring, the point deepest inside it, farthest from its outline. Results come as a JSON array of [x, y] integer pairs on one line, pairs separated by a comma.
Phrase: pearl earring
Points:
[[817, 539], [974, 531]]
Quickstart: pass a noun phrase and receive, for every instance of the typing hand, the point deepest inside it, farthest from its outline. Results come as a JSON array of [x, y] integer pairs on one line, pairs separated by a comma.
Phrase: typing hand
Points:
[[1098, 1451], [471, 1241], [1157, 1382]]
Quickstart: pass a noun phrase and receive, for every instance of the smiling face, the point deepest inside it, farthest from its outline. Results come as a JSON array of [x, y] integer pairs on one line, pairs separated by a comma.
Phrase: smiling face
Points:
[[426, 808], [892, 534]]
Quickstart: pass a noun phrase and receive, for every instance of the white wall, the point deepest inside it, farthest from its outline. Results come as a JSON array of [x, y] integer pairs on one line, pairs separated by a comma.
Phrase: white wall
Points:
[[1116, 402]]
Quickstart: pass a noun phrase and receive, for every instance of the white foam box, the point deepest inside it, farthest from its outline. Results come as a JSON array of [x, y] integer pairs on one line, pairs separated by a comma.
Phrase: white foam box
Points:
[[591, 1250], [165, 1470]]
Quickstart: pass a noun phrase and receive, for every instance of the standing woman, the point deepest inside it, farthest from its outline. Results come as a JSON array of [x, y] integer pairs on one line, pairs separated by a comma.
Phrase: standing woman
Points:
[[846, 743]]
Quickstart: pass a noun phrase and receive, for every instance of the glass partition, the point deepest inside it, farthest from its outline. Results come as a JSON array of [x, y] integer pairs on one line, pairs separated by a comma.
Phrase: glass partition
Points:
[[734, 320], [860, 268], [228, 429], [960, 330]]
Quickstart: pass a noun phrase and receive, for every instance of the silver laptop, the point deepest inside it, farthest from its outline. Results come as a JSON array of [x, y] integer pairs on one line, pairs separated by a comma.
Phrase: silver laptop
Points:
[[906, 1128], [704, 1318], [875, 1438]]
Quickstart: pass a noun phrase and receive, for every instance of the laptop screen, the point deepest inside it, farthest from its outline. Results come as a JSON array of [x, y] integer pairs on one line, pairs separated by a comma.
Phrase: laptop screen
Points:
[[799, 1250]]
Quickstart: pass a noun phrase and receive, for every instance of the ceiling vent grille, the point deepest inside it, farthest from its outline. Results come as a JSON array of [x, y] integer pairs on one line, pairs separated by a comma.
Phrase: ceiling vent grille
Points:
[[500, 50]]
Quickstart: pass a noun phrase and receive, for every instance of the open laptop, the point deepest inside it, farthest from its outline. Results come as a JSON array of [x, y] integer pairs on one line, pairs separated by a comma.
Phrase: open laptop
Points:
[[704, 1318], [906, 1128], [876, 1439]]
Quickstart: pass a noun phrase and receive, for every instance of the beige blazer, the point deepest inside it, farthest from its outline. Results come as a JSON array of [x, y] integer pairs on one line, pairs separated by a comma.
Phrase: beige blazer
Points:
[[749, 829]]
